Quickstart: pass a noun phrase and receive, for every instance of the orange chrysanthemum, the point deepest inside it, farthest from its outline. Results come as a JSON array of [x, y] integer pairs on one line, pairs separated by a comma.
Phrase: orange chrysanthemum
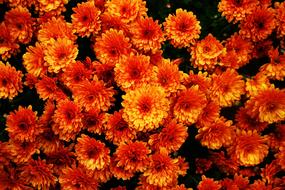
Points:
[[8, 44], [118, 130], [280, 18], [10, 81], [145, 107], [171, 137], [239, 182], [119, 172], [111, 46], [128, 10], [168, 76], [94, 120], [93, 95], [85, 19], [147, 35], [61, 158], [133, 156], [201, 79], [67, 120], [208, 184], [33, 60], [258, 25], [210, 114], [133, 70], [162, 170], [224, 162], [20, 23], [105, 72], [227, 87], [242, 49], [219, 133], [59, 54], [10, 178], [22, 125], [268, 105], [38, 174], [55, 28], [246, 121], [237, 10], [257, 84], [109, 21], [77, 178], [276, 68], [205, 53], [22, 152], [249, 148], [182, 29], [92, 153], [48, 89], [189, 105], [75, 73], [51, 6]]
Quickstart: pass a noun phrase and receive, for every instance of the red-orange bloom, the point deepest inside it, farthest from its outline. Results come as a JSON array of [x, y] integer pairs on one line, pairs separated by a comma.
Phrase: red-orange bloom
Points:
[[268, 105], [208, 184], [189, 105], [280, 18], [145, 107], [92, 153], [20, 23], [33, 60], [59, 54], [168, 76], [21, 152], [132, 156], [85, 19], [171, 137], [162, 170], [127, 10], [147, 35], [205, 53], [55, 28], [258, 25], [94, 120], [246, 121], [119, 172], [217, 134], [227, 87], [77, 178], [133, 70], [93, 95], [111, 46], [22, 125], [210, 114], [118, 130], [10, 179], [75, 73], [38, 174], [67, 120], [249, 148], [10, 81], [182, 29], [237, 10], [8, 43]]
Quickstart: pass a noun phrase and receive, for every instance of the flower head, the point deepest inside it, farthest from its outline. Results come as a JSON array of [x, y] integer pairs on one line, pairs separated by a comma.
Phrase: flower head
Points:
[[249, 148], [10, 81], [182, 29], [85, 19], [22, 125], [147, 35], [132, 156], [93, 95], [111, 45], [92, 153], [189, 105], [145, 107]]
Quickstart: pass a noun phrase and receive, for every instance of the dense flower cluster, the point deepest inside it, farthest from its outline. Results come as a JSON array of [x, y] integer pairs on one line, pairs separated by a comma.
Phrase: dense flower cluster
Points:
[[125, 114]]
